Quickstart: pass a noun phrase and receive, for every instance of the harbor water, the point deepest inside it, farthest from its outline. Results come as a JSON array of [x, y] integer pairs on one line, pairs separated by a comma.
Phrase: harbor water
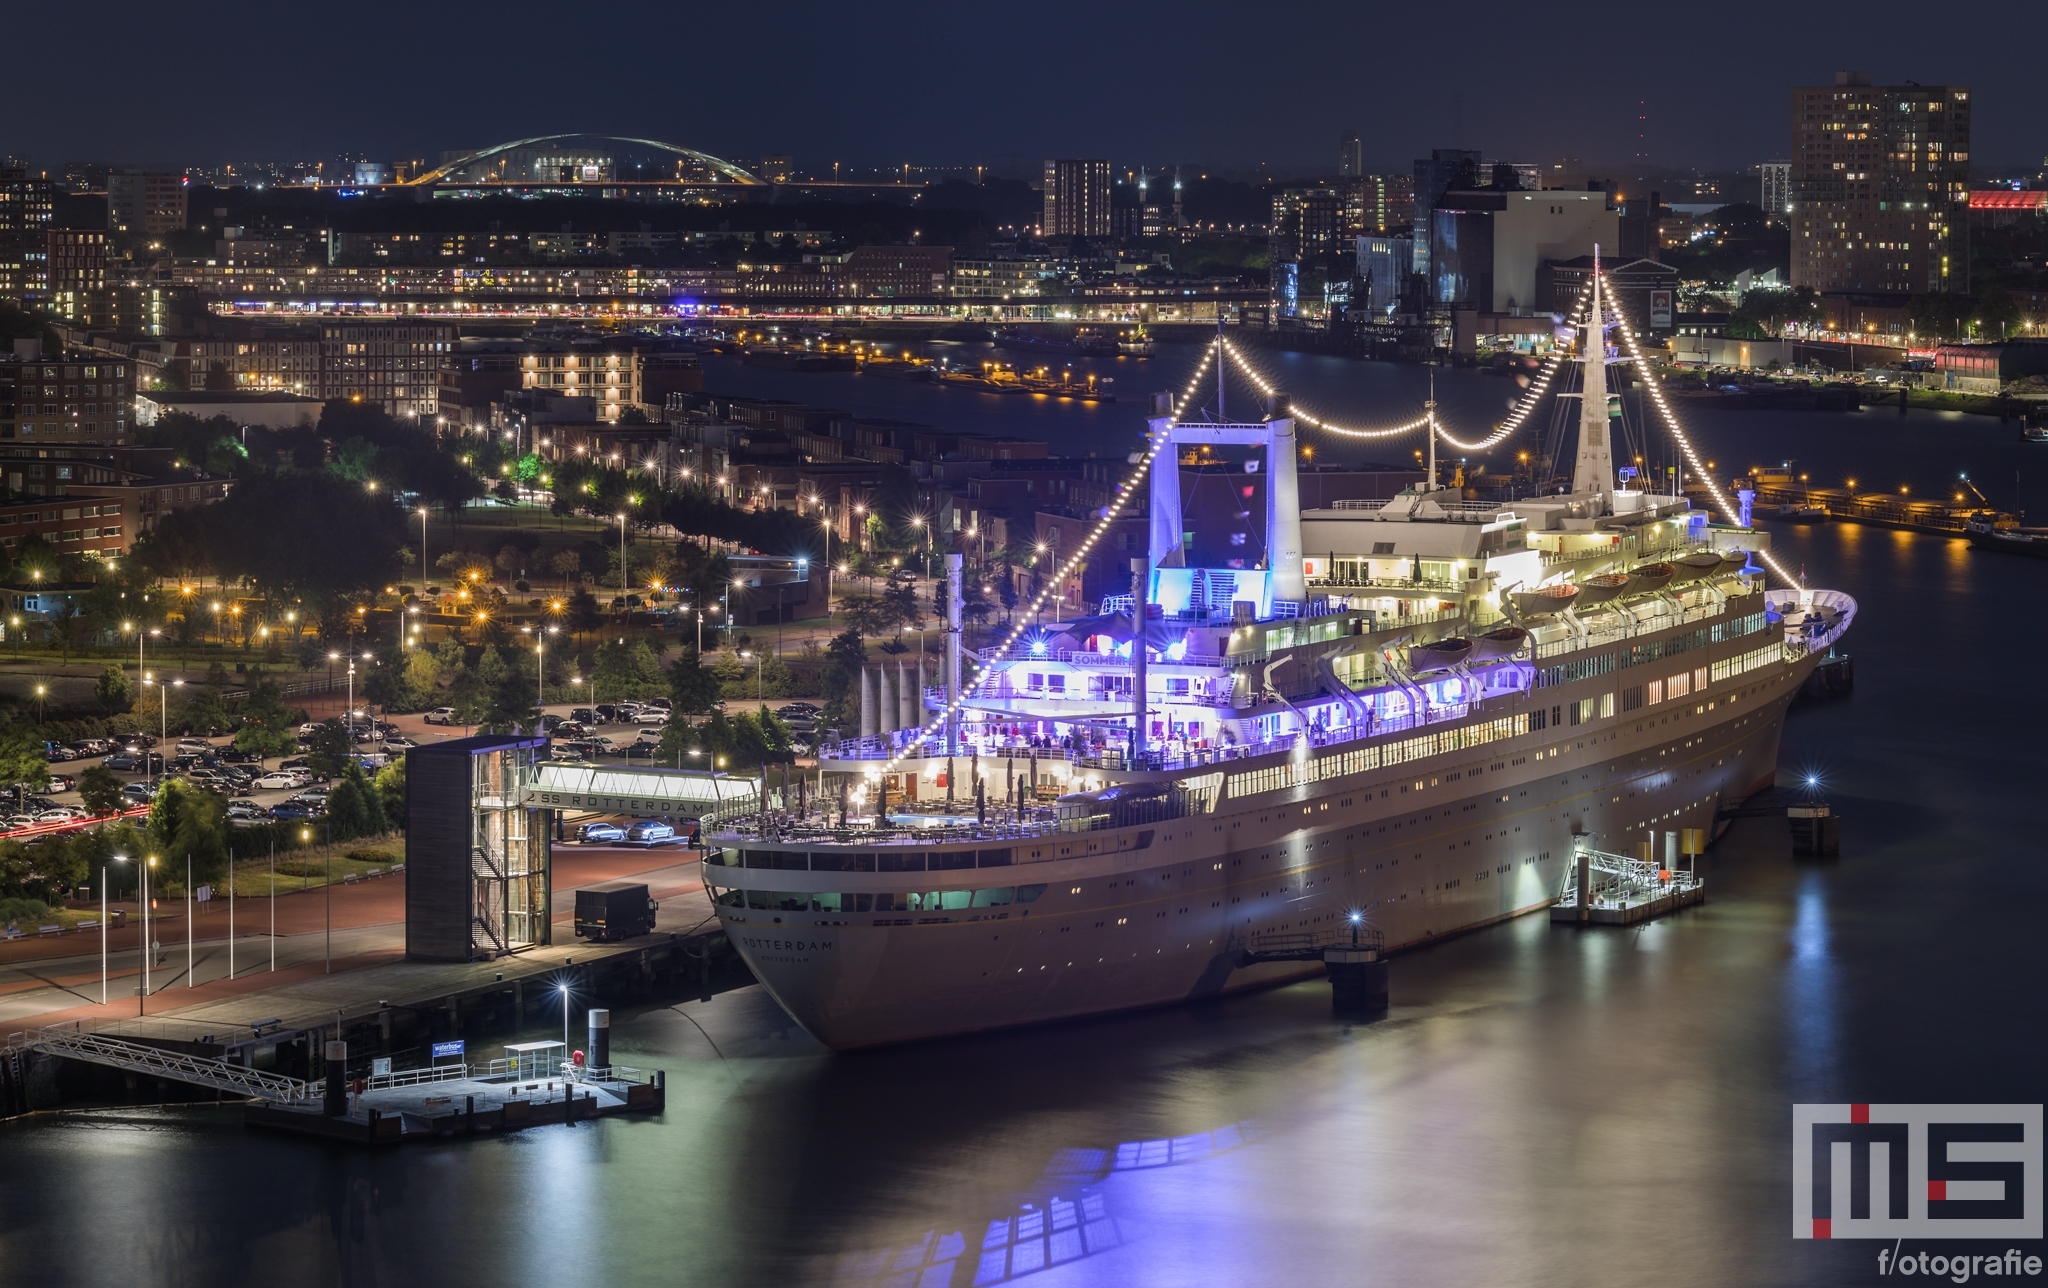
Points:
[[1542, 1104]]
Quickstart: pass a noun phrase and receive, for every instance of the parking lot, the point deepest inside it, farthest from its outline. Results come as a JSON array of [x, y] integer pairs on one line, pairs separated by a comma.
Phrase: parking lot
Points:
[[284, 788]]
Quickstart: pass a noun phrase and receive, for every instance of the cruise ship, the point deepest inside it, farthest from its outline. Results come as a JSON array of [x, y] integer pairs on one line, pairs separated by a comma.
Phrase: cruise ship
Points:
[[1402, 721]]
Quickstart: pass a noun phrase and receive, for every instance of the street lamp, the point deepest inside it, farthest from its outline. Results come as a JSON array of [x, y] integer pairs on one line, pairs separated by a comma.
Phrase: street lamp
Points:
[[564, 988], [424, 574], [152, 758], [118, 858], [625, 582]]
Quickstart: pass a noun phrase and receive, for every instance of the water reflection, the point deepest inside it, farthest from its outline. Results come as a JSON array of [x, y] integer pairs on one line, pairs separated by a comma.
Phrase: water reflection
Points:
[[1810, 988]]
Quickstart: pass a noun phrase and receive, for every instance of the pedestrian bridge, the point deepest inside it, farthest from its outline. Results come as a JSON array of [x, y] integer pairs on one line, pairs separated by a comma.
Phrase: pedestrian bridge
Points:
[[619, 790]]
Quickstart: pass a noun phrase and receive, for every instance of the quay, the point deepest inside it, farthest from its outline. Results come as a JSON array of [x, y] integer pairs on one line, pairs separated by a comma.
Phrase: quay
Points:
[[1601, 889]]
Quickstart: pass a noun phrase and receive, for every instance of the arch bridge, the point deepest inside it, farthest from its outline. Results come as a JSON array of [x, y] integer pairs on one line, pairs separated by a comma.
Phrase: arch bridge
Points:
[[725, 169]]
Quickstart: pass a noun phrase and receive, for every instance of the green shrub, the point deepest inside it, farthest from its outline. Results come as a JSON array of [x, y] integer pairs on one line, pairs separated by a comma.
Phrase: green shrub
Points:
[[23, 909]]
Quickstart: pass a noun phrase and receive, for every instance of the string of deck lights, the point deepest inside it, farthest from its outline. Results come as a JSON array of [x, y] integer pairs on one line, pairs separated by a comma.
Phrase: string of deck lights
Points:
[[1124, 492], [1516, 417], [1220, 347], [1692, 456]]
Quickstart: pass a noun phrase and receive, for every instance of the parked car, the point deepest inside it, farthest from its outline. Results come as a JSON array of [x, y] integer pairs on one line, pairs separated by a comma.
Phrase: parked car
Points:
[[649, 830], [399, 742], [292, 812], [124, 762], [606, 713], [308, 729], [194, 746], [570, 729], [797, 711], [246, 812], [598, 833], [663, 703], [583, 715], [643, 751], [57, 751], [233, 755], [138, 792], [275, 782], [440, 716], [92, 746], [651, 716], [17, 821], [63, 783], [57, 815]]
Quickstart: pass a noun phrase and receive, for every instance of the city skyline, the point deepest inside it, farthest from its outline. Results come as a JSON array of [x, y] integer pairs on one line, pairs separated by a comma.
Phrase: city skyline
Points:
[[825, 86]]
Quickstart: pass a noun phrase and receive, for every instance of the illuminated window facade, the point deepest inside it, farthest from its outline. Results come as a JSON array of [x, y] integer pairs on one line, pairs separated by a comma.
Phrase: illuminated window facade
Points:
[[1880, 187]]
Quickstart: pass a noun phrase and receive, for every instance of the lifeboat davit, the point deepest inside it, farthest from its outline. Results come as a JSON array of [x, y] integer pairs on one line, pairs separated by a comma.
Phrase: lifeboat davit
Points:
[[1505, 641], [1548, 599], [1438, 655], [1733, 561], [1650, 578]]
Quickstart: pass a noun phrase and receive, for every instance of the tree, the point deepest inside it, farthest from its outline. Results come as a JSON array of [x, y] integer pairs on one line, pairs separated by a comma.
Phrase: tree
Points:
[[355, 808], [391, 791], [186, 821], [23, 759], [329, 748], [584, 613], [100, 790], [628, 670], [845, 656], [691, 688], [112, 689], [866, 615], [266, 722]]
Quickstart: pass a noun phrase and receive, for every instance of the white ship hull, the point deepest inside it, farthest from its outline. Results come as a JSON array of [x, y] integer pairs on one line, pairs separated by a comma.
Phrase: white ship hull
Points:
[[1423, 850]]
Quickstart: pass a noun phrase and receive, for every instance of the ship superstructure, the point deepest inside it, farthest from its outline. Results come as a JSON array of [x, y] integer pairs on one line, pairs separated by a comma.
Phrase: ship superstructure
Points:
[[1404, 715]]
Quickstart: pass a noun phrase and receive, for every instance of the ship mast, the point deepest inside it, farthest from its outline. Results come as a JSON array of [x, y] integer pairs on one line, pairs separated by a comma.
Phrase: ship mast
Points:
[[1429, 427], [1594, 472]]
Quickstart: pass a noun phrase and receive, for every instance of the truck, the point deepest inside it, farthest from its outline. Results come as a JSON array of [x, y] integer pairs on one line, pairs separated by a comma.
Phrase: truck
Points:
[[614, 910]]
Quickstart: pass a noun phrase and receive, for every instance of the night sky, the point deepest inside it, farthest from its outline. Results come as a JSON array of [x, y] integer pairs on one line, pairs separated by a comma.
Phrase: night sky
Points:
[[1004, 85]]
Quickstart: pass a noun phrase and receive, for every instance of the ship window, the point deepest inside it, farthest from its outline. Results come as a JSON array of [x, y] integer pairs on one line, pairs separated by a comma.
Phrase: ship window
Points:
[[995, 898], [949, 899], [1030, 893], [729, 898], [826, 902], [841, 861], [949, 860], [993, 858], [900, 862], [762, 899], [786, 860], [788, 902]]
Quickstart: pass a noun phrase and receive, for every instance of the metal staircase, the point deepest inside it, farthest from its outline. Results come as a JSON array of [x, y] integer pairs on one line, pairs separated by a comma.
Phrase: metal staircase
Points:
[[72, 1043]]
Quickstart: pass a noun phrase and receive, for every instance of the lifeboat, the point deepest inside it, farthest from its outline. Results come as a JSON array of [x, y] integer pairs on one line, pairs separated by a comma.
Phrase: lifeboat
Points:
[[1598, 590], [1693, 567], [1733, 561], [1650, 578], [1503, 642], [1438, 655], [1549, 599]]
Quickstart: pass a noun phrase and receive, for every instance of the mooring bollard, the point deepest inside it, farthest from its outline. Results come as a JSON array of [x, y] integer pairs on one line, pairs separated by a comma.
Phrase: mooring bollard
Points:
[[337, 1084], [1358, 979]]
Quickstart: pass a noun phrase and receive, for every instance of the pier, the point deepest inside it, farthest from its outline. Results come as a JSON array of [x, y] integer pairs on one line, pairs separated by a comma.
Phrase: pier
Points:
[[1601, 889]]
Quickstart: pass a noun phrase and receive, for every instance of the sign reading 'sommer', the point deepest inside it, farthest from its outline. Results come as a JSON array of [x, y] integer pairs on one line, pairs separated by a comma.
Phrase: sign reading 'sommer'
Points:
[[1916, 1171]]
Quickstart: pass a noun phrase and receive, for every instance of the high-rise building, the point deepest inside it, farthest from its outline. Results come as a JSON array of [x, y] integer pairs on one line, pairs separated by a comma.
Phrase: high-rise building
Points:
[[144, 201], [76, 272], [1076, 199], [1880, 187], [1443, 170], [1350, 156], [1378, 203], [1777, 191], [24, 228]]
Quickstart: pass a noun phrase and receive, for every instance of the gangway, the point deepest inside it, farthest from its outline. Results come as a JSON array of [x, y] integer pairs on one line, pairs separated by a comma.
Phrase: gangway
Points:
[[72, 1042], [1605, 889]]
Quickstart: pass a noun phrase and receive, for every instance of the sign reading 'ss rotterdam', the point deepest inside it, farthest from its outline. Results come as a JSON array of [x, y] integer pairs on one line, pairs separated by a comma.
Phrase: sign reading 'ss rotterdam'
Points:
[[1916, 1171]]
